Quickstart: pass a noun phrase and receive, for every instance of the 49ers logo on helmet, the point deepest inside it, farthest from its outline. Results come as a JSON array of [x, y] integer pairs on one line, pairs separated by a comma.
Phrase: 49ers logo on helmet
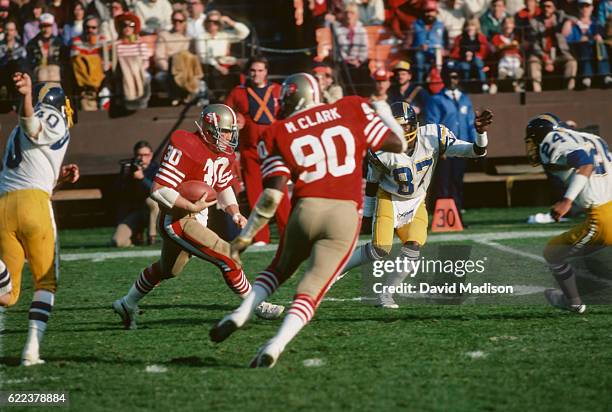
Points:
[[212, 118], [292, 88]]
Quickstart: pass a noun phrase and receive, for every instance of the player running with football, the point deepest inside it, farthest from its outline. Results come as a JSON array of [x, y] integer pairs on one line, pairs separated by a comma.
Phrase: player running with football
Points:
[[583, 163], [31, 168], [321, 148], [397, 184], [204, 156]]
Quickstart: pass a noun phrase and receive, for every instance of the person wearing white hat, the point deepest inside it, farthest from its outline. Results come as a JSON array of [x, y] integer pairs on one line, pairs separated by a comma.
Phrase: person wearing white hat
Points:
[[45, 51]]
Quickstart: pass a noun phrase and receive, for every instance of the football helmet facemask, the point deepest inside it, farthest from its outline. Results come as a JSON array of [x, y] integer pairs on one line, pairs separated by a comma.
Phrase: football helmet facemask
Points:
[[299, 91], [52, 94], [536, 131], [219, 128], [405, 115]]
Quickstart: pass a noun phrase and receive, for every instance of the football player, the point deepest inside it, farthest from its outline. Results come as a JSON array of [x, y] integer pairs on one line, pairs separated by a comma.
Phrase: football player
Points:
[[583, 163], [205, 155], [397, 184], [31, 168], [321, 148]]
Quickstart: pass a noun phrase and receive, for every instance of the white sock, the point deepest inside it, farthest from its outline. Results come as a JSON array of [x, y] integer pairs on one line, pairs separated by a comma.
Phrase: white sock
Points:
[[292, 325], [251, 301], [40, 310], [359, 257], [142, 286], [6, 286]]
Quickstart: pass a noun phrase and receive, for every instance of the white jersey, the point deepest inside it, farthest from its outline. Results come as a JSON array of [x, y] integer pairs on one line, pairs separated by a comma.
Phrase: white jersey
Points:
[[30, 163], [563, 149]]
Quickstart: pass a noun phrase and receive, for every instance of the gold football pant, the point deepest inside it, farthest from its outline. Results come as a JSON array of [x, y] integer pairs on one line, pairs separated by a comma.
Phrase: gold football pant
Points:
[[595, 232], [384, 222], [27, 229]]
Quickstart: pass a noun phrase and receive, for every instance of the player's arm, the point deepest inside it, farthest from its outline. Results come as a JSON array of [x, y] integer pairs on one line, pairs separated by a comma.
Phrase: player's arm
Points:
[[451, 146], [395, 142], [29, 123], [263, 211], [229, 204], [583, 164], [173, 201]]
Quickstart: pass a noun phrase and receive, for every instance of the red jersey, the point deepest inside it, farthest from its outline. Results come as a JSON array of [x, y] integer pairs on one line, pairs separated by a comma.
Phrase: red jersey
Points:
[[322, 149], [188, 157]]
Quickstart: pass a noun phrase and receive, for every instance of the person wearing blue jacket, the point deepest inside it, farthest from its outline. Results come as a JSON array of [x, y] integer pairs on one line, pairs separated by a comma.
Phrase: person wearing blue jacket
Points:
[[430, 37], [453, 109]]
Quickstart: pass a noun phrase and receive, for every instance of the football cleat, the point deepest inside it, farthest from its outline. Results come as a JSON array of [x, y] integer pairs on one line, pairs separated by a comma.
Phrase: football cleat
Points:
[[31, 360], [386, 301], [126, 313], [557, 299], [269, 311], [266, 357], [223, 329]]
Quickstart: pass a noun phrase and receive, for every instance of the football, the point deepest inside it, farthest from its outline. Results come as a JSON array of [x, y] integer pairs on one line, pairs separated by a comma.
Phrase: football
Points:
[[193, 190]]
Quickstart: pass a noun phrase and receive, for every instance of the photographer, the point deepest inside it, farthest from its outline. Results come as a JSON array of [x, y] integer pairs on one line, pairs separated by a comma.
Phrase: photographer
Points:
[[135, 210]]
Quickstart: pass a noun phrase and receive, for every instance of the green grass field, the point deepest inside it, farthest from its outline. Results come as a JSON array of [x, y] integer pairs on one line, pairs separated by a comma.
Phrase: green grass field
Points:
[[516, 355]]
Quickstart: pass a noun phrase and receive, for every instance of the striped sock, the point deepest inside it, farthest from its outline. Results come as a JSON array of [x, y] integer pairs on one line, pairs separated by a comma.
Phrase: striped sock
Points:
[[238, 283], [148, 279], [6, 286], [301, 312], [566, 278], [38, 316], [267, 281]]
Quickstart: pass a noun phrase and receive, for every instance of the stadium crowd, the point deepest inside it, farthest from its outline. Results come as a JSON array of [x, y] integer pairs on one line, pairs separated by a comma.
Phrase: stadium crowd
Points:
[[101, 48]]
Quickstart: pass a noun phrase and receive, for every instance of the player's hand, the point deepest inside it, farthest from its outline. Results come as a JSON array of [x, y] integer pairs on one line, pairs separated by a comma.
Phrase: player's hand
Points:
[[237, 246], [69, 173], [239, 220], [561, 208], [483, 120], [202, 204], [23, 83]]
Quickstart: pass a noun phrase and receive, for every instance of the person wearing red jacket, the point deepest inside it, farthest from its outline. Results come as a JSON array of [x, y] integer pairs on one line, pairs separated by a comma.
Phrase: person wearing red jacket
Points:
[[469, 50], [508, 50], [256, 103]]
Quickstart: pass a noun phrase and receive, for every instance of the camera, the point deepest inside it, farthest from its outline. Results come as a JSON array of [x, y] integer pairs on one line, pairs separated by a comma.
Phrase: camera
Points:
[[131, 165]]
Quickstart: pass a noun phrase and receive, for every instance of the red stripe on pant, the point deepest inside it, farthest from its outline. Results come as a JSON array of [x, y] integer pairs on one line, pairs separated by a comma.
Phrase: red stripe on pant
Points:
[[303, 306], [232, 273], [251, 175]]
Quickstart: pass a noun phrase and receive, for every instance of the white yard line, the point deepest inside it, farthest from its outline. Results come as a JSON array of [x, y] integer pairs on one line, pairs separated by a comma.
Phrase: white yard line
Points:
[[433, 238]]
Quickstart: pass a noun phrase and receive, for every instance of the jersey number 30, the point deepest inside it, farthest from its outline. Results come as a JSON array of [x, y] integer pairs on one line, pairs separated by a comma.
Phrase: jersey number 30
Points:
[[322, 154]]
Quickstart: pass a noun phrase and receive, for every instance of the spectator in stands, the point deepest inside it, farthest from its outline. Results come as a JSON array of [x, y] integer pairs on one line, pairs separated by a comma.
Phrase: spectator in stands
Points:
[[430, 40], [548, 46], [61, 10], [107, 28], [4, 17], [490, 22], [130, 63], [587, 44], [136, 211], [74, 28], [178, 70], [12, 59], [604, 11], [331, 91], [213, 49], [401, 17], [89, 56], [352, 41], [155, 15], [371, 12], [469, 51], [404, 90], [524, 18], [508, 53], [195, 23], [32, 27], [46, 52], [453, 109], [381, 86], [256, 102], [453, 14]]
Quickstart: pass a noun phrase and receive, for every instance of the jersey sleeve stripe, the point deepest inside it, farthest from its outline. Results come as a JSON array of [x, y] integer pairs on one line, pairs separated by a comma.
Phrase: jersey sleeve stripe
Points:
[[371, 125], [379, 136], [167, 180], [374, 132], [174, 169], [170, 174], [271, 159], [272, 165], [279, 170]]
